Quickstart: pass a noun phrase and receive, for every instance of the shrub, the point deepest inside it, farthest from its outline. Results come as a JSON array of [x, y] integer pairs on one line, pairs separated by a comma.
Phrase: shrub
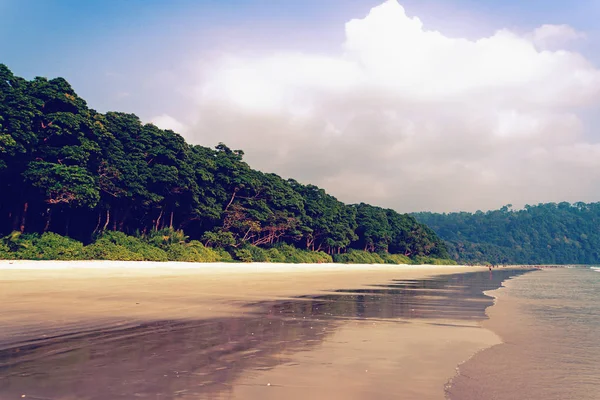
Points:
[[48, 246], [290, 254], [258, 254], [358, 257], [165, 237], [218, 239], [224, 256], [275, 256], [395, 258], [5, 253], [105, 250], [51, 246], [243, 255], [114, 245], [433, 261], [192, 252]]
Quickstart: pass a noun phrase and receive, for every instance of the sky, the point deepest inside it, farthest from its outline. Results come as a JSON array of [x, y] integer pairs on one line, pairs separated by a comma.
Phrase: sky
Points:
[[440, 105]]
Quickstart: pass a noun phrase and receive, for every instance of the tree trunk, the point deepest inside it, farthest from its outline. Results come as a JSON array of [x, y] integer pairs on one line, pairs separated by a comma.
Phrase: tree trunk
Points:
[[124, 217], [98, 224], [24, 217], [115, 219], [158, 220], [171, 222], [107, 220], [48, 220], [232, 198], [67, 224]]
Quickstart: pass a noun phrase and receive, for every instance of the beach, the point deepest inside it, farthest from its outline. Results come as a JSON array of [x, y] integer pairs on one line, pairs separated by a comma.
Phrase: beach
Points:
[[120, 330], [548, 322]]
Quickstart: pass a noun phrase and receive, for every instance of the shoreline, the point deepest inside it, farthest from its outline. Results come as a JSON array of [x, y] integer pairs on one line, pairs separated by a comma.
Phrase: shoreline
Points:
[[490, 324], [43, 298]]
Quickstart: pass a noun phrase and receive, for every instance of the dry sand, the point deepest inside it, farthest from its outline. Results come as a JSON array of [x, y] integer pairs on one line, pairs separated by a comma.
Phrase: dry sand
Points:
[[359, 359]]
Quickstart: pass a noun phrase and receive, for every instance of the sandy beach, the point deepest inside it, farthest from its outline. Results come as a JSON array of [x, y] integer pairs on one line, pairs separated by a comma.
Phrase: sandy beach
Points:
[[233, 331]]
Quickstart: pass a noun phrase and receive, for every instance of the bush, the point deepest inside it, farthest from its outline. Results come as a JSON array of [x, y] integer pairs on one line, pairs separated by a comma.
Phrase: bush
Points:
[[165, 237], [5, 253], [170, 245], [433, 261], [358, 257], [258, 254], [51, 246], [48, 246], [224, 256], [22, 246], [395, 258], [192, 252], [243, 255], [290, 254], [114, 245], [218, 239], [104, 250], [275, 256]]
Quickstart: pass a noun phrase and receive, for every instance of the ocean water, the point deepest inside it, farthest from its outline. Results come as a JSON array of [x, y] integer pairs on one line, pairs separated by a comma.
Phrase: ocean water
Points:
[[549, 322]]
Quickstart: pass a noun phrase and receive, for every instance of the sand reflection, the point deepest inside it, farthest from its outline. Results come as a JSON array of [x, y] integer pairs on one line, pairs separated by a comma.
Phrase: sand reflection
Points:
[[308, 346]]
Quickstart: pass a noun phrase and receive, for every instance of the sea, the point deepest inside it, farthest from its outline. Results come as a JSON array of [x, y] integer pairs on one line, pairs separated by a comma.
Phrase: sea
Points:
[[549, 322]]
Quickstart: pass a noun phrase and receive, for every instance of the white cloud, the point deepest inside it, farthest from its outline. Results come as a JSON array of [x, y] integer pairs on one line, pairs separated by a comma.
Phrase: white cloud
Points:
[[409, 118], [547, 36], [165, 121]]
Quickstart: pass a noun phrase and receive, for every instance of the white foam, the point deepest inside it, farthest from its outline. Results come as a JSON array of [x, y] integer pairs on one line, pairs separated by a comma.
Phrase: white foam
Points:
[[597, 269]]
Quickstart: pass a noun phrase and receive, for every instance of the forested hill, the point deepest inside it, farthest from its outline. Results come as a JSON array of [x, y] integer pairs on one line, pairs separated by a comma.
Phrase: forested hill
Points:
[[547, 233], [67, 169]]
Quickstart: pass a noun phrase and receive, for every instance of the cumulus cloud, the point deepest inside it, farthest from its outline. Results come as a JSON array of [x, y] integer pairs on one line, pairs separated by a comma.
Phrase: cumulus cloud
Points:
[[165, 121], [547, 36], [408, 118]]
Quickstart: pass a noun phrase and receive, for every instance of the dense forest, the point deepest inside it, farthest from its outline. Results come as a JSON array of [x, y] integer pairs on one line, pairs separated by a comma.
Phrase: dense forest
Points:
[[549, 233], [68, 170]]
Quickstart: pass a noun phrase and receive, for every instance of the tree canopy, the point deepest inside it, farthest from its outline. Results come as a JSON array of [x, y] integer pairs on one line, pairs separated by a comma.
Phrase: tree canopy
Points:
[[548, 233], [69, 170]]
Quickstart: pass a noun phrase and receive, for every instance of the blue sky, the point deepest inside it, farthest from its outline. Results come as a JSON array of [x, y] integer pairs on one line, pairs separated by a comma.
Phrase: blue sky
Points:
[[110, 49], [301, 107]]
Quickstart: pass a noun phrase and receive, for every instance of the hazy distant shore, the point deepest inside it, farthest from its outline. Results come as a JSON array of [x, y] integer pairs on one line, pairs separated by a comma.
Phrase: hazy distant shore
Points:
[[113, 301]]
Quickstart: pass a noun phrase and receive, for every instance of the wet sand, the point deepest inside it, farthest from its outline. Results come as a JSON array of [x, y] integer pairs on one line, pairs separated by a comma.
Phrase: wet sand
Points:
[[170, 330], [549, 323]]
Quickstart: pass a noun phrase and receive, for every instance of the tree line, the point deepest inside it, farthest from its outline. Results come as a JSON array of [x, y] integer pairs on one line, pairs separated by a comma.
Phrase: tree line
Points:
[[549, 233], [70, 170]]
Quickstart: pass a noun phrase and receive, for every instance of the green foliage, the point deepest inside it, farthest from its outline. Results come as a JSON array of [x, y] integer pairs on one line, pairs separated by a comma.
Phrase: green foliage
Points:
[[67, 169], [243, 255], [298, 256], [218, 239], [48, 246], [395, 258], [105, 250], [433, 261], [358, 257], [192, 252], [5, 253], [258, 254], [544, 234], [61, 184], [118, 246], [282, 253], [365, 257], [165, 238], [275, 256], [224, 256]]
